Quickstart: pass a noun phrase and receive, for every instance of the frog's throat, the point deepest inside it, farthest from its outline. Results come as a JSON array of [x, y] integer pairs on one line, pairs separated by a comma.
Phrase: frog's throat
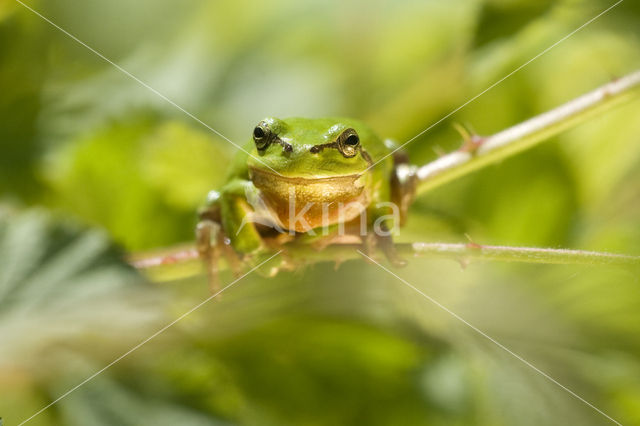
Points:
[[301, 204]]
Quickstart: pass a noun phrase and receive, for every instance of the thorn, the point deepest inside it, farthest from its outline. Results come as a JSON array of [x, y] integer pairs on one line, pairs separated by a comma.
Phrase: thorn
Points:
[[472, 141], [473, 144], [169, 260], [463, 263], [607, 89], [469, 126], [439, 151], [464, 132], [472, 244], [337, 264]]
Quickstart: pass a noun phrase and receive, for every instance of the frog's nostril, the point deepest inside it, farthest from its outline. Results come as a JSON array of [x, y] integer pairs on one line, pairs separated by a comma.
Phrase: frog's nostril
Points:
[[287, 147]]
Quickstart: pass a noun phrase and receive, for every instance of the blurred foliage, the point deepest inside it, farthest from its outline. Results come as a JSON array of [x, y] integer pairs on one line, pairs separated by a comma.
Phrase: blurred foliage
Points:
[[89, 156]]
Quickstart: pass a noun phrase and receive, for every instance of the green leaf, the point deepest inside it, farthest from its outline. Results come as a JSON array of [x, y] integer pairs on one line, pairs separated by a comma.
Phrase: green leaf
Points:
[[62, 289]]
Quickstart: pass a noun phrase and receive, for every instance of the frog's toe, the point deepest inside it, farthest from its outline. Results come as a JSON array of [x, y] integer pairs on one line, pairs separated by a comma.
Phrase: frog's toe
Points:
[[207, 241], [397, 261]]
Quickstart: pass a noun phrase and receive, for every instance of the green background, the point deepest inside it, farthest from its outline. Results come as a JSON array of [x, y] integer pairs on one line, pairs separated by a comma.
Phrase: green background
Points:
[[93, 165]]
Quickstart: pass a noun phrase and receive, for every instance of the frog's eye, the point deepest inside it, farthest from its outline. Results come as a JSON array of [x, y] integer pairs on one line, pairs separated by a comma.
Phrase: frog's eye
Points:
[[348, 143], [262, 135]]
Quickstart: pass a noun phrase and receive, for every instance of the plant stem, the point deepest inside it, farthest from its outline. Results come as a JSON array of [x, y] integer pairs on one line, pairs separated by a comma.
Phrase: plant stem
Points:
[[472, 251], [478, 151], [183, 261], [465, 253]]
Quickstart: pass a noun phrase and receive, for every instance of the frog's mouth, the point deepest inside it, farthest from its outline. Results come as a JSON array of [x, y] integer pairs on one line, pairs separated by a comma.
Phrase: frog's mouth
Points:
[[316, 202], [258, 173]]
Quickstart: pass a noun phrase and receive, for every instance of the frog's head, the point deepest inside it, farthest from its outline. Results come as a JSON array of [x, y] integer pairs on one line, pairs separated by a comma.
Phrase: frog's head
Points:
[[314, 168], [312, 148]]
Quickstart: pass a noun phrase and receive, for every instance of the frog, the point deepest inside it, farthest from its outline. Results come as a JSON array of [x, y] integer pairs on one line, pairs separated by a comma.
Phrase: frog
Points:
[[322, 180]]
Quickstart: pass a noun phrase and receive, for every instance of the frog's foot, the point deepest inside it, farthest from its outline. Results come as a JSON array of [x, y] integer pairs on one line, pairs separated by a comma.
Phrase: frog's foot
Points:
[[277, 241], [287, 263], [369, 243], [385, 241], [389, 250], [209, 243], [254, 261]]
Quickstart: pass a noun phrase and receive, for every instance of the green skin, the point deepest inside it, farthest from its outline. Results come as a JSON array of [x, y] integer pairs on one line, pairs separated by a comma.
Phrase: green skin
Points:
[[290, 160]]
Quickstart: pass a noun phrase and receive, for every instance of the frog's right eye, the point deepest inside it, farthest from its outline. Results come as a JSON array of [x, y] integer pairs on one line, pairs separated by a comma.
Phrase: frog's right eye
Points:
[[262, 136]]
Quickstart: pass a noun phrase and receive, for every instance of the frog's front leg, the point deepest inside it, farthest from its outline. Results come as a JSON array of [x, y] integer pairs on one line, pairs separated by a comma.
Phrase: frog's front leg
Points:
[[240, 207], [226, 220]]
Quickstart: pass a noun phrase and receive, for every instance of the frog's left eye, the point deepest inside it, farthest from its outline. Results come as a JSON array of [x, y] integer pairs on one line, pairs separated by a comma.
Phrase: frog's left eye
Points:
[[262, 136], [348, 143]]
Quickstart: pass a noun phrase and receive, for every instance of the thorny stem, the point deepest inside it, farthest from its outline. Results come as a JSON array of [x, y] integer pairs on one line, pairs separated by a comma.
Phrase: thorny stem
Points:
[[478, 152], [183, 261], [472, 251]]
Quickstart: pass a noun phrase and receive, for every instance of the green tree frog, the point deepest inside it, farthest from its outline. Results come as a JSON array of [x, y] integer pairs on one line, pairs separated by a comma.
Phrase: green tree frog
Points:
[[326, 180]]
